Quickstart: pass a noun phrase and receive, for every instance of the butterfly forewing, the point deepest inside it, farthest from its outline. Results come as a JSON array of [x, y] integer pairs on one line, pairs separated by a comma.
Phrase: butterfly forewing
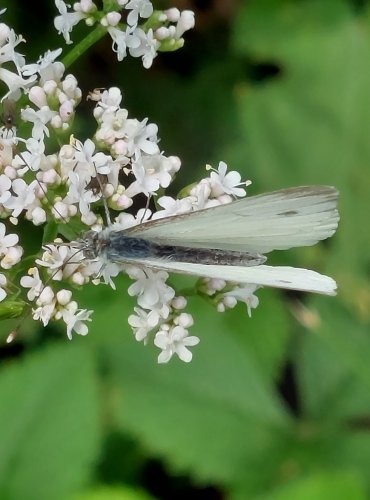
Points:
[[258, 224]]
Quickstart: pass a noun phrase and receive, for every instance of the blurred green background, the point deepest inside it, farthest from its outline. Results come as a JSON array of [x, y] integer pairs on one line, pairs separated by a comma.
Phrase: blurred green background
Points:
[[272, 407]]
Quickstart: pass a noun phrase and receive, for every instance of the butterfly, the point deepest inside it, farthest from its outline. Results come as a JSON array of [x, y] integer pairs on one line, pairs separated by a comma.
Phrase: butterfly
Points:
[[229, 242]]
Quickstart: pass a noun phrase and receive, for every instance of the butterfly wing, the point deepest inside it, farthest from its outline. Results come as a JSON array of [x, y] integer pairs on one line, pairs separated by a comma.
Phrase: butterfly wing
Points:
[[259, 224], [290, 278]]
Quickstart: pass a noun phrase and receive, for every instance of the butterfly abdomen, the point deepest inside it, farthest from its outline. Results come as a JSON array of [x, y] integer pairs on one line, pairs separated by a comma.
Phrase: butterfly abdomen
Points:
[[122, 248]]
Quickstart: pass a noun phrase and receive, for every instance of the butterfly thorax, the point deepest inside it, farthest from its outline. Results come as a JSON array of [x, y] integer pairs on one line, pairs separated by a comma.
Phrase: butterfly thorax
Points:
[[92, 244]]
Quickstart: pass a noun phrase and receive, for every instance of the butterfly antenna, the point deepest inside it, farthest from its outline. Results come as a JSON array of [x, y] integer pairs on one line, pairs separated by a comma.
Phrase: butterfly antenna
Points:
[[146, 208], [106, 209]]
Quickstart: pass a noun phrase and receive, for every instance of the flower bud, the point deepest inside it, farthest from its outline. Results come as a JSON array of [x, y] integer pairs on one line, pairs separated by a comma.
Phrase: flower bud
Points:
[[185, 23], [113, 18], [38, 216], [64, 297], [230, 302], [173, 15], [66, 111], [37, 96], [50, 87], [179, 302], [46, 296]]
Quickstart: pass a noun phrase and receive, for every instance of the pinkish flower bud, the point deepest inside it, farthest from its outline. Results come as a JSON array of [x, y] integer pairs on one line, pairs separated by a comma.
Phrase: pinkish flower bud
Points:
[[173, 15], [37, 96], [66, 111]]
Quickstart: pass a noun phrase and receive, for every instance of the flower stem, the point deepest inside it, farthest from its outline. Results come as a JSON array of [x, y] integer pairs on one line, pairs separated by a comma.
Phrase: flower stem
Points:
[[84, 45]]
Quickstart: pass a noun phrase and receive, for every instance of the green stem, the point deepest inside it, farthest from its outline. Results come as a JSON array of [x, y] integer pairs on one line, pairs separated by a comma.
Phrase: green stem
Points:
[[84, 45]]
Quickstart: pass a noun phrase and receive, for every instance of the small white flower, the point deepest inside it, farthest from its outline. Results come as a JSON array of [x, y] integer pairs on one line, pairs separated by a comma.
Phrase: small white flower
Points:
[[150, 287], [50, 76], [85, 6], [77, 193], [57, 260], [24, 196], [5, 185], [172, 206], [175, 341], [159, 167], [12, 257], [8, 52], [112, 125], [7, 241], [46, 303], [39, 119], [109, 100], [141, 137], [144, 183], [245, 294], [33, 282], [14, 82], [43, 62], [34, 155], [75, 321], [138, 8], [227, 182], [200, 194], [124, 221], [66, 21], [89, 163], [146, 48], [121, 40], [106, 271], [142, 323], [2, 289], [44, 313]]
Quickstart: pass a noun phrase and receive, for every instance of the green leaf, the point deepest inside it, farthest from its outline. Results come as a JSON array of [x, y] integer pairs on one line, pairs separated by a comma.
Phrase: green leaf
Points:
[[195, 415], [71, 230], [50, 231], [266, 335], [333, 366], [309, 124], [324, 486], [49, 431], [112, 493]]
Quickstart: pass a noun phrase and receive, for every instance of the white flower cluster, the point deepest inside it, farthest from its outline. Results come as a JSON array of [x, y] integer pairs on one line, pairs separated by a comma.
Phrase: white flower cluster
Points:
[[10, 255], [226, 296], [161, 30], [159, 312], [75, 182]]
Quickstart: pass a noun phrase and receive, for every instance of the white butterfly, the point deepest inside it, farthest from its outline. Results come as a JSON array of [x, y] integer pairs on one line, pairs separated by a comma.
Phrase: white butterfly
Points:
[[229, 241]]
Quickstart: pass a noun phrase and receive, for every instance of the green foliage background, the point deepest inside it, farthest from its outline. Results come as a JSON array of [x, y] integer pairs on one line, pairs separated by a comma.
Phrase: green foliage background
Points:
[[273, 407]]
